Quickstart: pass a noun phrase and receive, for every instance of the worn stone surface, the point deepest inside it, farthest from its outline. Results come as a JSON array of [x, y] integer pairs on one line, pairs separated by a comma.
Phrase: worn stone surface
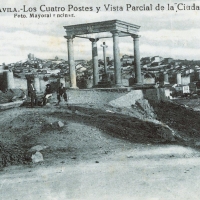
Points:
[[94, 96], [60, 124], [37, 157], [145, 108], [128, 99]]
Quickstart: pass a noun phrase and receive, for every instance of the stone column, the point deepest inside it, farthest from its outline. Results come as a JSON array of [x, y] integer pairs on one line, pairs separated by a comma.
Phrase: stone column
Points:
[[95, 61], [72, 70], [104, 57], [117, 64], [137, 59], [178, 78]]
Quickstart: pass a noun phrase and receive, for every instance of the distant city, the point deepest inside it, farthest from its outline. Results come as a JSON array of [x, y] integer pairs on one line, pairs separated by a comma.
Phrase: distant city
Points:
[[182, 76]]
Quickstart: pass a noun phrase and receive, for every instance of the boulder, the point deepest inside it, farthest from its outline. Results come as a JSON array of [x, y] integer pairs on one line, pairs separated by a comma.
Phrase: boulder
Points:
[[37, 157], [60, 124]]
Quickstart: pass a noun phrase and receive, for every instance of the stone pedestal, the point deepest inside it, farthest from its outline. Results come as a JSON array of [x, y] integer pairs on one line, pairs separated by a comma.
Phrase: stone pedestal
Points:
[[131, 81], [104, 83]]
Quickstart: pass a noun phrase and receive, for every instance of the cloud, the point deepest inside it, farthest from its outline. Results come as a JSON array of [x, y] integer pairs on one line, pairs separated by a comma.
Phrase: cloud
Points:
[[168, 33], [177, 53]]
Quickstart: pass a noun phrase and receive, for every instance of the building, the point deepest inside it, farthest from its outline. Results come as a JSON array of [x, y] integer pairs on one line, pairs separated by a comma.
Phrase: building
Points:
[[31, 56], [127, 60], [156, 59]]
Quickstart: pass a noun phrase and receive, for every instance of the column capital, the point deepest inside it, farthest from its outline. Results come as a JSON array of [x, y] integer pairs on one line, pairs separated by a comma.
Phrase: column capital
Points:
[[115, 33], [135, 37], [94, 39], [68, 37]]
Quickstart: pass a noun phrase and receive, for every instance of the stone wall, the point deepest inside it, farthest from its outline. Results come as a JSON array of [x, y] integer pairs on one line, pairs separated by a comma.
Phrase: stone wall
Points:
[[128, 99], [93, 96], [117, 98], [21, 83], [157, 94], [151, 94]]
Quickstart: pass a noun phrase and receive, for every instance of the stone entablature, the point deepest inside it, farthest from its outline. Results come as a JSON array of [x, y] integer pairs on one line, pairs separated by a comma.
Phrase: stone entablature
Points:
[[124, 28]]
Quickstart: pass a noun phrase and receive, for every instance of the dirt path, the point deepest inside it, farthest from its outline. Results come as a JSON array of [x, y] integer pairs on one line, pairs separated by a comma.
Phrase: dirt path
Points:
[[143, 172]]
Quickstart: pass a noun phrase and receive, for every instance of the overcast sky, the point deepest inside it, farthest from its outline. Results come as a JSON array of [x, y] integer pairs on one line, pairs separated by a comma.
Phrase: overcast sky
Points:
[[165, 33]]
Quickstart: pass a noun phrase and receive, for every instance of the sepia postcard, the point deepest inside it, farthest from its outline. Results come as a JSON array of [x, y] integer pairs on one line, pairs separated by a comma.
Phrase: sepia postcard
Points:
[[99, 100]]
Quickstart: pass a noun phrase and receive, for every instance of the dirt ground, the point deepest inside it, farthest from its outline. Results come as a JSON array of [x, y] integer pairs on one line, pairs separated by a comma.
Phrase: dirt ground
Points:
[[183, 117], [23, 128], [100, 152]]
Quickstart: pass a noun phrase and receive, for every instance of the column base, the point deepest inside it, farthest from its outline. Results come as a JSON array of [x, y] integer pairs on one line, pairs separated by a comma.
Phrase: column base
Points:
[[166, 83], [138, 86], [118, 85], [140, 83], [74, 88]]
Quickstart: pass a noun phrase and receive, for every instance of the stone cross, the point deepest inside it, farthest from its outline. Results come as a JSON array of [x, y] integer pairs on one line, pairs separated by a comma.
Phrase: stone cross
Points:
[[104, 56]]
